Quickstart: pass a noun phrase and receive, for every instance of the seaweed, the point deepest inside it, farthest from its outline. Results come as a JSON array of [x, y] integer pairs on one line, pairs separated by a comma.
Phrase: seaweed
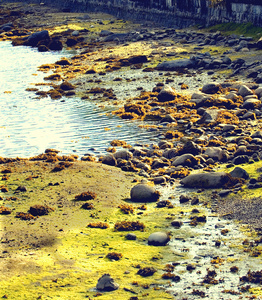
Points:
[[85, 196], [129, 226], [114, 256], [147, 271], [100, 225]]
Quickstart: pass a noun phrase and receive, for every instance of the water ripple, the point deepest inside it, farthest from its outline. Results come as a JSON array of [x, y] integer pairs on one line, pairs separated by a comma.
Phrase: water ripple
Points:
[[28, 126]]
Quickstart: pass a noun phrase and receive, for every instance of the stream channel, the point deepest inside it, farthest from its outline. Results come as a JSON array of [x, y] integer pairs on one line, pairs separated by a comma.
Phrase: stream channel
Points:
[[28, 126]]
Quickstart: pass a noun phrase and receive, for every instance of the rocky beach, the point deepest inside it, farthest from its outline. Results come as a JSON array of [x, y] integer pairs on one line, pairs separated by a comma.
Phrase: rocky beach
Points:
[[175, 218]]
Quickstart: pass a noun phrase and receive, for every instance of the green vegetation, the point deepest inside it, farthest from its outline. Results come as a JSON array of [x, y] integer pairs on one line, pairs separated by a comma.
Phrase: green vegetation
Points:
[[246, 29]]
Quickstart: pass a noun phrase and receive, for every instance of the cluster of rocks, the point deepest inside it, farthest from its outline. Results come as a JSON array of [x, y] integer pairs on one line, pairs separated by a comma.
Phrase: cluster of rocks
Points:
[[223, 133]]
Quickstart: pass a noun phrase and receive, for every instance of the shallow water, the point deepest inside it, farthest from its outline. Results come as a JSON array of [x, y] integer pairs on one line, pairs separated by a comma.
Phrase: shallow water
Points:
[[28, 125]]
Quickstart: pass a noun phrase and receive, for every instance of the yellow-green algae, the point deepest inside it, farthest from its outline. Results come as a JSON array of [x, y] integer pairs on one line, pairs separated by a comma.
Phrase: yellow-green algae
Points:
[[57, 256]]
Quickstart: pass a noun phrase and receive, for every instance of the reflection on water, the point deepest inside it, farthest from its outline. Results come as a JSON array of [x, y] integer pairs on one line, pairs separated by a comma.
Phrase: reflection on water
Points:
[[28, 126]]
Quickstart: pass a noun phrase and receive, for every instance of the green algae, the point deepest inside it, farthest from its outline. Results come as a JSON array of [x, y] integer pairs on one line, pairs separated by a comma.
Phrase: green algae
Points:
[[57, 256]]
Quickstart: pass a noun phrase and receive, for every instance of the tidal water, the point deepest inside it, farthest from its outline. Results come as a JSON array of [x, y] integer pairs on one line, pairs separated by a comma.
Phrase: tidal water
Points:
[[29, 125]]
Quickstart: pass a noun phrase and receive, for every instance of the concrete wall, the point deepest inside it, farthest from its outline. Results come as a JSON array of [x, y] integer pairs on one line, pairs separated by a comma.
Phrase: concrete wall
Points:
[[175, 13], [178, 13]]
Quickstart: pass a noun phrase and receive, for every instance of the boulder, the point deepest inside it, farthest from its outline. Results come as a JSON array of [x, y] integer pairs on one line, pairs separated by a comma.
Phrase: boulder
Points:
[[240, 159], [185, 159], [55, 45], [209, 116], [167, 93], [252, 103], [105, 33], [244, 91], [158, 239], [211, 88], [123, 154], [144, 193], [205, 180], [109, 160], [137, 59], [36, 37], [106, 283], [213, 152], [174, 65], [239, 173]]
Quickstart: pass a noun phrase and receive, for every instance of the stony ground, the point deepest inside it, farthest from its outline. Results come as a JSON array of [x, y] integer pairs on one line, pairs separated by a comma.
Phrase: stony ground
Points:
[[208, 116]]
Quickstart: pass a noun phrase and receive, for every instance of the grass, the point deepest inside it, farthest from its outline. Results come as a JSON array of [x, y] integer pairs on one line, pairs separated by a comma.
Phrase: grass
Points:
[[246, 29]]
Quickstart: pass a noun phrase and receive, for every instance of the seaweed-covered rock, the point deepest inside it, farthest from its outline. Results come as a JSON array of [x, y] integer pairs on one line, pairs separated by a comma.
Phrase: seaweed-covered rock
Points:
[[185, 160], [106, 283], [205, 180], [158, 239], [144, 193], [167, 93]]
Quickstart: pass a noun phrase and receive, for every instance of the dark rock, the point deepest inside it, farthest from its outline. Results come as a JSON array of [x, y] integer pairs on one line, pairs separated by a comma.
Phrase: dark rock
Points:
[[144, 193], [109, 160], [131, 236], [159, 180], [55, 45], [176, 224], [167, 93], [195, 201], [137, 59], [123, 154], [241, 159], [106, 283], [36, 37], [185, 160], [184, 199], [239, 173], [158, 239], [175, 65], [252, 103], [42, 48], [21, 189], [71, 41], [211, 88], [205, 180], [105, 33]]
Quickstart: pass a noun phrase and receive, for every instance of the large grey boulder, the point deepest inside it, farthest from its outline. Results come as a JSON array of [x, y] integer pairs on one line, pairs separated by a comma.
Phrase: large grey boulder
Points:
[[36, 37], [205, 180], [214, 152], [174, 65], [158, 239], [239, 173], [106, 283], [211, 88], [144, 193], [244, 91], [123, 154]]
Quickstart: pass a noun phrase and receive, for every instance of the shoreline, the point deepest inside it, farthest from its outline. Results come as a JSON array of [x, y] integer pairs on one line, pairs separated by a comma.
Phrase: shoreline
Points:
[[58, 258]]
